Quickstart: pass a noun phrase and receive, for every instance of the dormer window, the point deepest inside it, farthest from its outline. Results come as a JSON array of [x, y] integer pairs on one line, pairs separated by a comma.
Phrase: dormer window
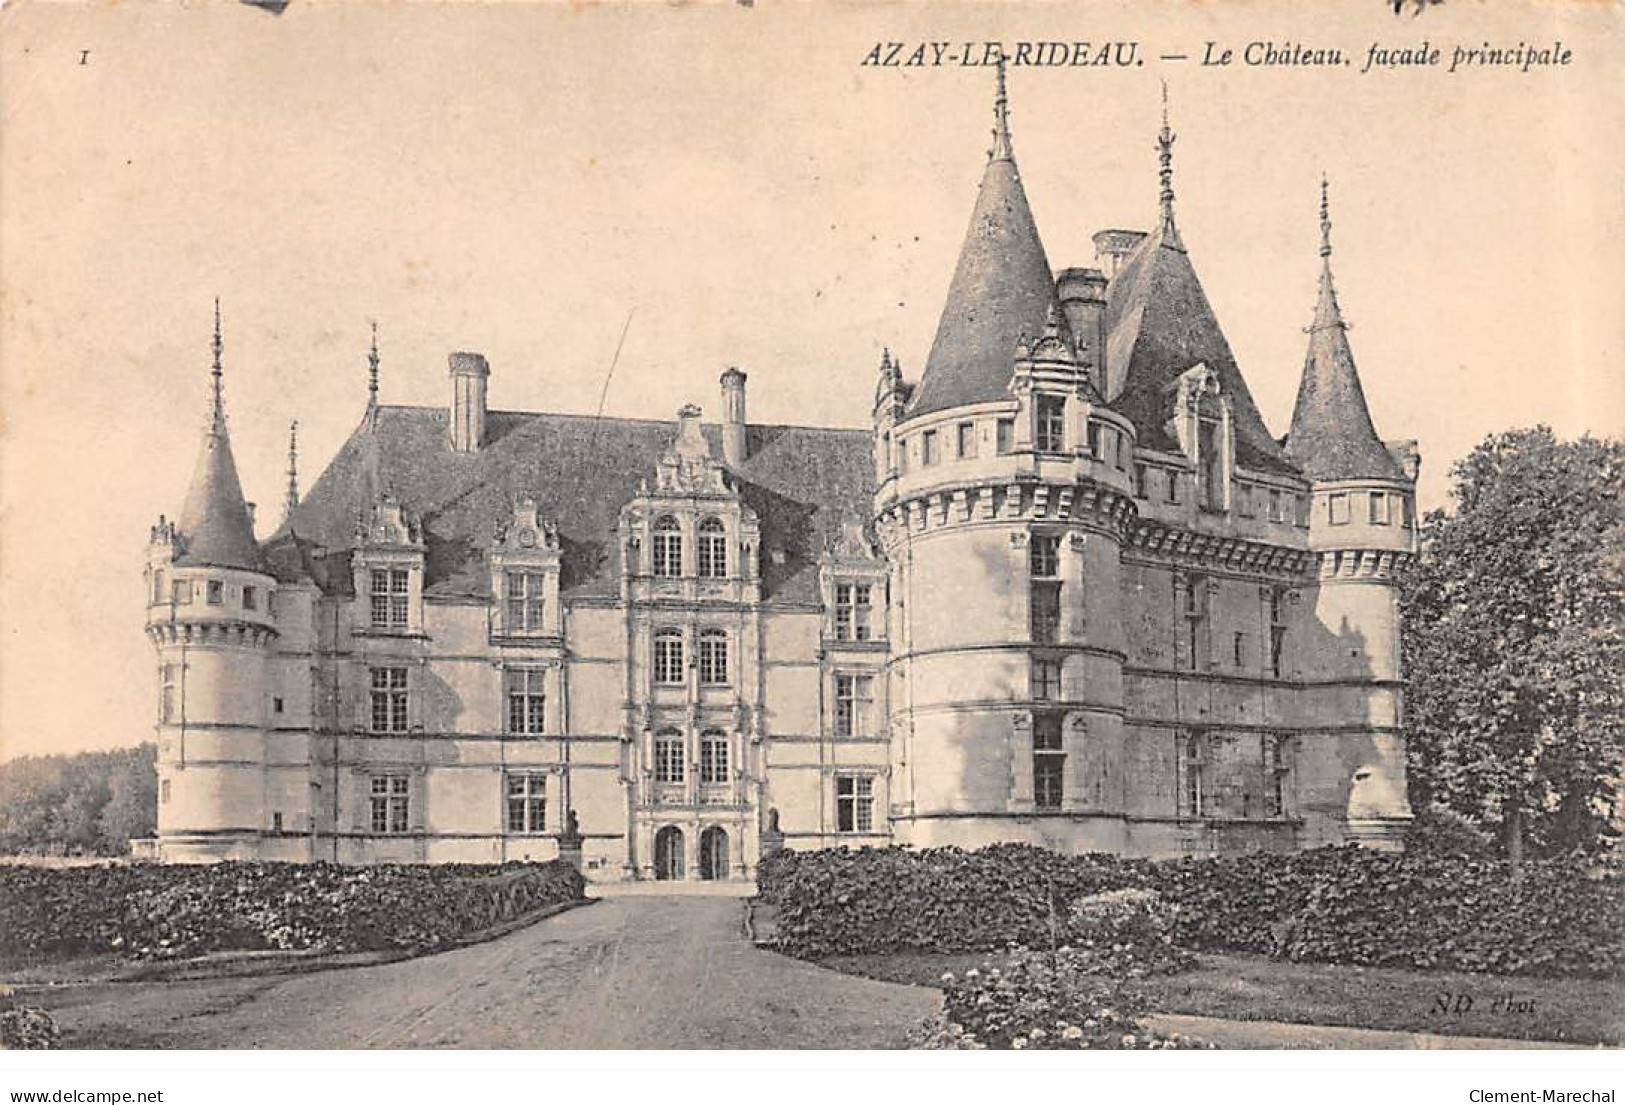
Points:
[[1049, 429], [668, 548], [853, 608], [389, 598], [525, 601], [712, 550], [1211, 473]]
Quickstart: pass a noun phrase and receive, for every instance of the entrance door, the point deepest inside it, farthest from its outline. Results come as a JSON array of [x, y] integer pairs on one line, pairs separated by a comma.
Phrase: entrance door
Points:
[[669, 853], [714, 853]]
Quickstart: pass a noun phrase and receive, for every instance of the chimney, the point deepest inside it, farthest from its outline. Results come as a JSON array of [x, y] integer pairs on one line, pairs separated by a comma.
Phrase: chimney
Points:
[[733, 417], [1083, 299], [468, 375], [1112, 248]]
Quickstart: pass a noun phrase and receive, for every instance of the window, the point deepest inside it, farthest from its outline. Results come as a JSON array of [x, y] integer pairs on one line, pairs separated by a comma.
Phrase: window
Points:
[[1405, 511], [1049, 761], [1121, 439], [1277, 770], [1173, 486], [1049, 426], [389, 598], [389, 700], [163, 791], [276, 705], [1195, 608], [1211, 487], [668, 548], [1378, 509], [713, 757], [1337, 509], [216, 592], [854, 803], [669, 656], [527, 802], [158, 593], [852, 697], [250, 599], [852, 611], [965, 435], [1004, 436], [1244, 500], [181, 592], [276, 821], [390, 809], [1096, 433], [167, 693], [527, 701], [1238, 648], [1191, 766], [669, 757], [1276, 513], [1277, 631], [712, 552], [1044, 678], [713, 657], [1141, 481], [524, 601], [1044, 555], [1045, 611], [928, 447]]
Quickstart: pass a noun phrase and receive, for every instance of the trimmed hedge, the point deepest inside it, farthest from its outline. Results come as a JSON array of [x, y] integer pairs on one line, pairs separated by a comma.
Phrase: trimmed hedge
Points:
[[1330, 905], [164, 912]]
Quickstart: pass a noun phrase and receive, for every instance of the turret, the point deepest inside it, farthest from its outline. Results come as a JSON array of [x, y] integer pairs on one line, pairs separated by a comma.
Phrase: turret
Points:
[[211, 617], [1362, 531]]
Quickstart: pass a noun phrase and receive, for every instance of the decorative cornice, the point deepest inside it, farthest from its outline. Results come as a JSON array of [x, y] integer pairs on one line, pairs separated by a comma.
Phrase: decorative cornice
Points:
[[1013, 500], [1174, 544], [1383, 565]]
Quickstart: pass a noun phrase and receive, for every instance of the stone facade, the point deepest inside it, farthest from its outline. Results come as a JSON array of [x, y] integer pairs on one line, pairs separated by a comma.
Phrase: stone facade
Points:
[[1067, 590]]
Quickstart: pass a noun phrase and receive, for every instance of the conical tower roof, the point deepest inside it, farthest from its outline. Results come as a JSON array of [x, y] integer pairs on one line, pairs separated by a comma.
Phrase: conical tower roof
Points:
[[214, 522], [1002, 289], [1160, 323], [1332, 436]]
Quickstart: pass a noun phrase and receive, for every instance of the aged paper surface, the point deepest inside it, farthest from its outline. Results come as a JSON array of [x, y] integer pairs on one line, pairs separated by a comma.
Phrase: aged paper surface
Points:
[[613, 203]]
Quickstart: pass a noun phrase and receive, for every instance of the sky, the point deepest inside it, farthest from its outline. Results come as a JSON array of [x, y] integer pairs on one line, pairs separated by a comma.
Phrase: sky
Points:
[[519, 180]]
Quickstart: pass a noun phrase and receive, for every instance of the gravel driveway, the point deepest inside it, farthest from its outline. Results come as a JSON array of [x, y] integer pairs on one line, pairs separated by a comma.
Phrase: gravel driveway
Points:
[[632, 972]]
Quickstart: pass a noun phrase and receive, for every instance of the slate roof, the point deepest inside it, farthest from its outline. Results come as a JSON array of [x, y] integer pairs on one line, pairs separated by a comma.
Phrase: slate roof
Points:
[[1332, 437], [802, 482], [1159, 323], [214, 520], [1002, 291]]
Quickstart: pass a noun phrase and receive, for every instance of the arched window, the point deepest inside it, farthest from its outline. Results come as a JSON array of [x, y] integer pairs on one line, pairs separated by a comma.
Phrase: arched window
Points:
[[712, 553], [668, 548], [668, 656], [713, 657], [668, 756], [713, 756]]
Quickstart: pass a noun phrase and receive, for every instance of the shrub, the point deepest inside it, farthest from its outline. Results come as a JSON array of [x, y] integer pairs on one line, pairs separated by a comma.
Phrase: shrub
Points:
[[1125, 934], [1043, 1000], [28, 1028], [1334, 905], [152, 912]]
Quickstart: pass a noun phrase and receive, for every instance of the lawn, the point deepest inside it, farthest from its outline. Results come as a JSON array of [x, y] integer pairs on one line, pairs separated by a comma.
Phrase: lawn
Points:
[[1239, 987]]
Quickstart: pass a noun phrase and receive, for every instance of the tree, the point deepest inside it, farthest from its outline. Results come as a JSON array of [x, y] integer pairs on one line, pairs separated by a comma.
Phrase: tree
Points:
[[1514, 643], [92, 802]]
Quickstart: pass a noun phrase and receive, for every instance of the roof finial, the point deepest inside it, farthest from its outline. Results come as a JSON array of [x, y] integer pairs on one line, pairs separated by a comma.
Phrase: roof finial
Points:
[[1001, 150], [293, 470], [217, 400], [1165, 161], [1325, 220], [372, 368]]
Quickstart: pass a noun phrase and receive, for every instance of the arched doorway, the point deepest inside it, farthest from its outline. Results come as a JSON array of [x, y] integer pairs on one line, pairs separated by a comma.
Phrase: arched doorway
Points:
[[669, 853], [714, 853]]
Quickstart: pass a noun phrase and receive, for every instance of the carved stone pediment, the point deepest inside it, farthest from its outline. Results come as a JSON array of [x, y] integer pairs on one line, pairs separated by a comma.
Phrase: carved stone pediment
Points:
[[687, 466], [525, 531], [389, 523]]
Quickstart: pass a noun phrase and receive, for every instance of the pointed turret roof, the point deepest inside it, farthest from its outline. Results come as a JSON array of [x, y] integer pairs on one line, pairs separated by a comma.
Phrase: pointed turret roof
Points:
[[1159, 324], [1332, 437], [1002, 288], [214, 522]]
